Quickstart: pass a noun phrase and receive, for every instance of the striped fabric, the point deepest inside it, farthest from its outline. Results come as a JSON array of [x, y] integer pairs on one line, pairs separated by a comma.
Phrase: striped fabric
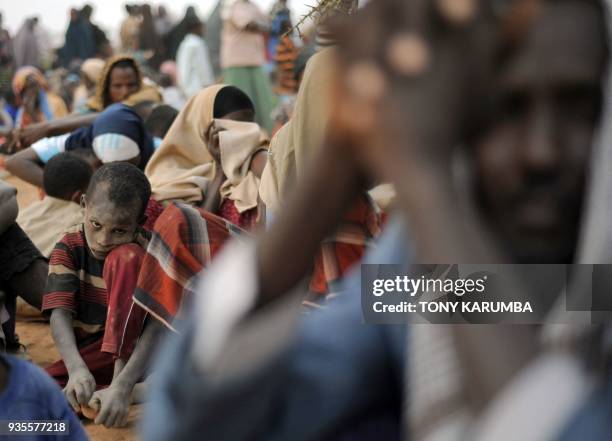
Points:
[[184, 241], [340, 252], [286, 54], [75, 283]]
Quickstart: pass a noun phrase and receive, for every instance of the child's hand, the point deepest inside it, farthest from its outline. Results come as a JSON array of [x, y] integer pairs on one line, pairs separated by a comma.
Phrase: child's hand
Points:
[[113, 405], [80, 387]]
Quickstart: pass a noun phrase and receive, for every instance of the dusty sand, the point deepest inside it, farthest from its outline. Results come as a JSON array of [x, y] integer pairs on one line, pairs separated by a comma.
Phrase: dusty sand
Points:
[[35, 334]]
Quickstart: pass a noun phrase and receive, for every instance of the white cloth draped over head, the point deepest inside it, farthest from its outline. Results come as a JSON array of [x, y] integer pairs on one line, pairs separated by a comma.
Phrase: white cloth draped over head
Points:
[[182, 167]]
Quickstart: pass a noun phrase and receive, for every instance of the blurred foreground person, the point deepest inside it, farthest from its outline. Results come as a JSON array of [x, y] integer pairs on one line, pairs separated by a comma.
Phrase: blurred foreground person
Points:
[[415, 83]]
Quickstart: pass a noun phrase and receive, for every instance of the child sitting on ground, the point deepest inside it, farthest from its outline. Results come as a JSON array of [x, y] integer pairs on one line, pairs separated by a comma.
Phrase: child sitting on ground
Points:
[[92, 275], [65, 178]]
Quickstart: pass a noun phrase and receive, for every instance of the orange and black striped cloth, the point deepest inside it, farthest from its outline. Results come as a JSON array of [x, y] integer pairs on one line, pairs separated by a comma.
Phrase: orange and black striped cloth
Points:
[[344, 249], [184, 241], [286, 54]]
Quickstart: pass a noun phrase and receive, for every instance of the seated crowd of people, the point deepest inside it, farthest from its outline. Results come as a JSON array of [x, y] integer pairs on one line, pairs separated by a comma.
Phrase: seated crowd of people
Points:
[[198, 263]]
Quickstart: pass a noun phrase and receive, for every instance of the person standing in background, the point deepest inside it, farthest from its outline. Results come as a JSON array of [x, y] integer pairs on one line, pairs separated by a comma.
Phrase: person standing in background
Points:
[[25, 45], [130, 28], [243, 55], [148, 38], [193, 63]]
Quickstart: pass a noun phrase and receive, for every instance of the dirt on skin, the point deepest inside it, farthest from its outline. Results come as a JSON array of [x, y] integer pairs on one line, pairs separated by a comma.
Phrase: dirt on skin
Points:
[[34, 332]]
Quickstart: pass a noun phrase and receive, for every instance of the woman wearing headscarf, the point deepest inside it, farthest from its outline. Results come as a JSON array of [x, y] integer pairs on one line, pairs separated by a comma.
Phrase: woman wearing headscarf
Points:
[[211, 157], [120, 82], [117, 134], [36, 103]]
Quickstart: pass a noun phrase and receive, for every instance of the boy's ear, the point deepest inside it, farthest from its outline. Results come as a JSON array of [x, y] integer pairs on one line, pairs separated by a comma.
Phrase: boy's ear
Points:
[[83, 202], [76, 196]]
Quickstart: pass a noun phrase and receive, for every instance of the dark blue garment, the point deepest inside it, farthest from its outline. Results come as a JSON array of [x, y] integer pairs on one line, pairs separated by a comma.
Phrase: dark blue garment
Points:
[[32, 395], [116, 118], [80, 42]]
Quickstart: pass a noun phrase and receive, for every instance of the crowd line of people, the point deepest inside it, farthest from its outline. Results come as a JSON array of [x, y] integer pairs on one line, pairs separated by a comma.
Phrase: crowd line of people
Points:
[[208, 193]]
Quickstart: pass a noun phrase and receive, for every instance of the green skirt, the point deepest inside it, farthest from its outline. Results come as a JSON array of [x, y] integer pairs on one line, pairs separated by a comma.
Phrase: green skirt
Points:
[[254, 82]]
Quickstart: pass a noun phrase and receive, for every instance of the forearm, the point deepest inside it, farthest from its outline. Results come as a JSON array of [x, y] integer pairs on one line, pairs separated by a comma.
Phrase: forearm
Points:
[[65, 341], [25, 169], [331, 185], [70, 123], [136, 366], [444, 229]]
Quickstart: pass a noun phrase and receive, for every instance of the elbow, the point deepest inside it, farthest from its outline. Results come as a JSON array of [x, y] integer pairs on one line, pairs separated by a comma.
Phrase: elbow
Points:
[[12, 164]]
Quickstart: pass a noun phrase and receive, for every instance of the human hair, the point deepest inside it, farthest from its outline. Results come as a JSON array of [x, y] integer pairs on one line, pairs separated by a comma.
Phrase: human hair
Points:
[[65, 174], [159, 121], [122, 184], [231, 99]]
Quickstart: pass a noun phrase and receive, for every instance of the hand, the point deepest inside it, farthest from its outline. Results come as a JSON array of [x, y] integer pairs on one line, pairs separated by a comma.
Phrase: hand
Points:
[[80, 387], [405, 92], [13, 142], [255, 27], [112, 405], [32, 133], [211, 136]]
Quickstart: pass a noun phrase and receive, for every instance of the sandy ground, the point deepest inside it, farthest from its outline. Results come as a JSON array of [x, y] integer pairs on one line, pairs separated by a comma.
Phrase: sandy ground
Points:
[[35, 334]]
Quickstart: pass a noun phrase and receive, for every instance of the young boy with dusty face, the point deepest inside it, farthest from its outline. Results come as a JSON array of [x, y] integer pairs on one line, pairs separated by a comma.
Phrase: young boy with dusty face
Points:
[[113, 215]]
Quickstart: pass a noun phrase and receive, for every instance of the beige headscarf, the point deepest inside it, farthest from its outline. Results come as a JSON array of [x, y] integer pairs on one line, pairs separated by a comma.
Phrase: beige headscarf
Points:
[[238, 143], [297, 140], [145, 92], [182, 168]]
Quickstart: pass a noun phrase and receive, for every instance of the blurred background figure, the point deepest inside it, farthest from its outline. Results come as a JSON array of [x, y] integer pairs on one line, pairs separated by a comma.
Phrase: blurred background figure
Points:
[[171, 93], [80, 42], [26, 45], [176, 35], [214, 25], [101, 43], [243, 55], [7, 59], [130, 28], [91, 71], [194, 70], [36, 103], [280, 23], [149, 40], [163, 21]]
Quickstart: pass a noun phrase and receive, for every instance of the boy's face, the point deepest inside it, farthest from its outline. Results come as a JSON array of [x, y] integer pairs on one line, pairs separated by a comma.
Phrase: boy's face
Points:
[[530, 167], [107, 225]]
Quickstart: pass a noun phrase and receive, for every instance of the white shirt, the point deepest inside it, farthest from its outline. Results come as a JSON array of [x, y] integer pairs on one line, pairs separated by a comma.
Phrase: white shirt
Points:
[[193, 65]]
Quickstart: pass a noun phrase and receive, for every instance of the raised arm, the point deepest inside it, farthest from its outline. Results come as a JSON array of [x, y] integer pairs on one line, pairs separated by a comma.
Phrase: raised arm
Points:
[[26, 165], [56, 127]]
